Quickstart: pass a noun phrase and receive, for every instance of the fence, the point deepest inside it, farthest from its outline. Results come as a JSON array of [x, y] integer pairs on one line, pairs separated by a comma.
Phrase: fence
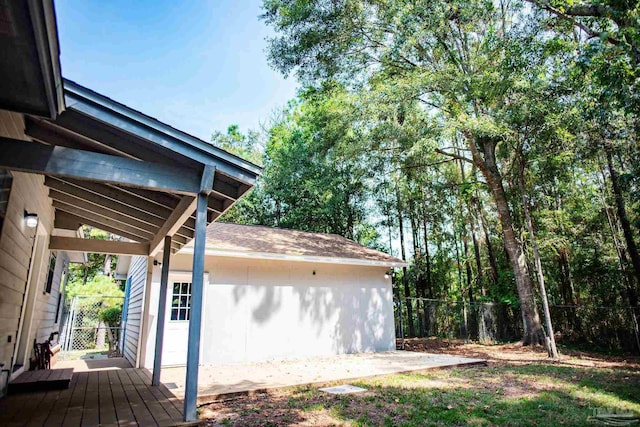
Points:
[[83, 328], [603, 328]]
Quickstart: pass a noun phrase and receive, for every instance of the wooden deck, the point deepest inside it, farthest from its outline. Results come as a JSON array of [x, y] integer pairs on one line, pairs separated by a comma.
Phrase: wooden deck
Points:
[[122, 397]]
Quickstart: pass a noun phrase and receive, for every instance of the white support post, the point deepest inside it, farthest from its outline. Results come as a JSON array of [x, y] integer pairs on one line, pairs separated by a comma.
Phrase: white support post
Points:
[[162, 308]]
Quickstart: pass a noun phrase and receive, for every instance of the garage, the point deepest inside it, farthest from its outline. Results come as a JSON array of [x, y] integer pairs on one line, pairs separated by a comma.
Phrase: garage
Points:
[[269, 294]]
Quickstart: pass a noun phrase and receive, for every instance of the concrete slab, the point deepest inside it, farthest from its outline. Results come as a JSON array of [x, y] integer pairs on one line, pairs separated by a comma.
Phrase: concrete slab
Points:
[[215, 382]]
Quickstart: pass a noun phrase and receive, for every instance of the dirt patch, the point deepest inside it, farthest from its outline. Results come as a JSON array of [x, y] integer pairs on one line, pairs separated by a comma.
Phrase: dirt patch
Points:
[[287, 407]]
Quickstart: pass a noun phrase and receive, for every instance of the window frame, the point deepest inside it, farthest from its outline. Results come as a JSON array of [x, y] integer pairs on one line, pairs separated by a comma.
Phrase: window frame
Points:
[[53, 260], [180, 300]]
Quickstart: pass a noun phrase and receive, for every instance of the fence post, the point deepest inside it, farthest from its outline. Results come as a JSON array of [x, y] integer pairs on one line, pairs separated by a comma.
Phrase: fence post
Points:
[[447, 324], [466, 321], [634, 320], [401, 326], [73, 321]]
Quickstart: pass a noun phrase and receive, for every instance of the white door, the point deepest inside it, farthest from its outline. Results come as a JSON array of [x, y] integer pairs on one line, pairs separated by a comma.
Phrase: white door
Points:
[[176, 330], [178, 313]]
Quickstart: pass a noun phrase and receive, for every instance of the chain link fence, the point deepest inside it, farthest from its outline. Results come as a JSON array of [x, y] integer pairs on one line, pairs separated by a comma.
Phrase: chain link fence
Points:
[[602, 328], [84, 326]]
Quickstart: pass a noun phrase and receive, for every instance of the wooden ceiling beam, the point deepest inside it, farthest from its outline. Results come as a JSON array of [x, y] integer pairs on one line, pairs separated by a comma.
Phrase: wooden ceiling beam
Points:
[[34, 157], [72, 244]]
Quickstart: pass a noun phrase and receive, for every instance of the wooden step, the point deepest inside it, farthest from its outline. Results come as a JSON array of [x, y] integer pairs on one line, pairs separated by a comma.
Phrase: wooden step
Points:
[[41, 380]]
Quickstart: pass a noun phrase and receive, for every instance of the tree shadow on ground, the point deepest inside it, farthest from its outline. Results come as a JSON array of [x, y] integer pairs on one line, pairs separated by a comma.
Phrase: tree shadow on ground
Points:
[[506, 395]]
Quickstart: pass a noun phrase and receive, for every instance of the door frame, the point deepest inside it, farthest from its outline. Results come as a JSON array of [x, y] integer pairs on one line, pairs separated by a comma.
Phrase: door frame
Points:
[[184, 276]]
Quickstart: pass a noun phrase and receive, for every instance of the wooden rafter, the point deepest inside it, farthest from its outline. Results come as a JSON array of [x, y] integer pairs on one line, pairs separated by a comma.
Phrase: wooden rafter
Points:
[[103, 211], [112, 193], [93, 219]]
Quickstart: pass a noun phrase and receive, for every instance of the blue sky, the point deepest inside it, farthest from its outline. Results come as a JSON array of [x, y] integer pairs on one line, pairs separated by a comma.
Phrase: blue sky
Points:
[[197, 65]]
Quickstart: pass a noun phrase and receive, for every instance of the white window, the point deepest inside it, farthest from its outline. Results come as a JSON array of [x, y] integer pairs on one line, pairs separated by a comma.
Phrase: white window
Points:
[[181, 301]]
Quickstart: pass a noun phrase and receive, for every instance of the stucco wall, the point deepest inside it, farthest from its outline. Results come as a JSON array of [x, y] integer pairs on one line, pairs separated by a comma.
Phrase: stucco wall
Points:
[[270, 310]]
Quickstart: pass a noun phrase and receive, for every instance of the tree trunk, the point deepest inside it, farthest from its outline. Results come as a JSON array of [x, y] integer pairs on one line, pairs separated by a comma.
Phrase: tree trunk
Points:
[[407, 290], [493, 263], [416, 257], [465, 237], [566, 278], [551, 347], [428, 279], [486, 163], [427, 257], [476, 253], [618, 246], [632, 249], [458, 262]]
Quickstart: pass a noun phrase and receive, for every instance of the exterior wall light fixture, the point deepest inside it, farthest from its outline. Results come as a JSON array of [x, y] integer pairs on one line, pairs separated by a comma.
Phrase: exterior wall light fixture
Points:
[[30, 219]]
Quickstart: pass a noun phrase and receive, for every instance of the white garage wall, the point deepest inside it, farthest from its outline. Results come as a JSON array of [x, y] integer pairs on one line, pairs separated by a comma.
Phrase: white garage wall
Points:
[[269, 310]]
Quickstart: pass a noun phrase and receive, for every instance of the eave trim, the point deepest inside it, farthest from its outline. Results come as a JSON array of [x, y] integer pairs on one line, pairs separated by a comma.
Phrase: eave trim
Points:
[[297, 258]]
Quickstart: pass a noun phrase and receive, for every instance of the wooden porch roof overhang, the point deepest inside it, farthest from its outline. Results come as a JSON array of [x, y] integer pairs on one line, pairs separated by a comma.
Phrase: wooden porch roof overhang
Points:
[[111, 167]]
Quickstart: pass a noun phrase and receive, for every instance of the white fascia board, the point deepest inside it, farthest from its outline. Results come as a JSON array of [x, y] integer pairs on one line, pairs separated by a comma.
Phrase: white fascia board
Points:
[[302, 258]]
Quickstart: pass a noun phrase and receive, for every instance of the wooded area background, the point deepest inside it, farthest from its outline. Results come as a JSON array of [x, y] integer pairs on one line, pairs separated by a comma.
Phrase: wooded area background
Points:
[[496, 142]]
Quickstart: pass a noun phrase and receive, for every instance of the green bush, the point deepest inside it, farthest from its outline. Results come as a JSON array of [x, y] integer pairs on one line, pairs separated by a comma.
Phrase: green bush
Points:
[[111, 316], [102, 287]]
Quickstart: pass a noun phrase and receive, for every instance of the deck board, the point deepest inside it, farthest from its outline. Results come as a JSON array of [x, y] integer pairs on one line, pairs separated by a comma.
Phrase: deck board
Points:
[[27, 406], [107, 409], [44, 408], [73, 417], [157, 410], [140, 410], [172, 398], [57, 414], [120, 397], [91, 410], [161, 393], [124, 414]]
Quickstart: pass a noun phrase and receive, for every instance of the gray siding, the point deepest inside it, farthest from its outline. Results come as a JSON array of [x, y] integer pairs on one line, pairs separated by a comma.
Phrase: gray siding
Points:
[[138, 275], [45, 320]]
